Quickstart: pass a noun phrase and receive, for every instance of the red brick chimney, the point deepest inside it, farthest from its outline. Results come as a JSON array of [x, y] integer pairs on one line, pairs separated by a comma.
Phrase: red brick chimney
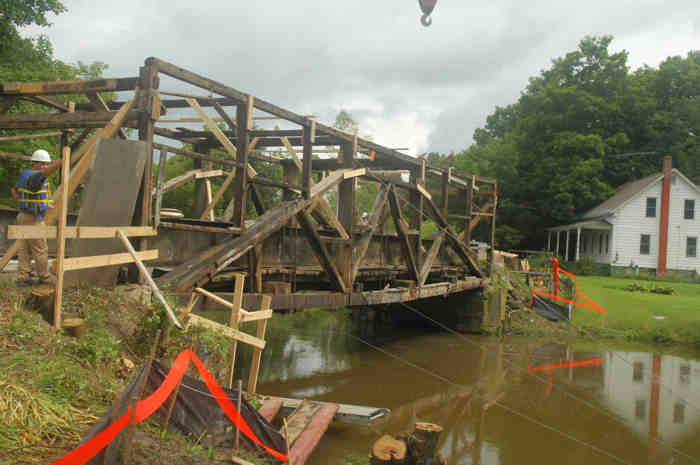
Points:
[[663, 220]]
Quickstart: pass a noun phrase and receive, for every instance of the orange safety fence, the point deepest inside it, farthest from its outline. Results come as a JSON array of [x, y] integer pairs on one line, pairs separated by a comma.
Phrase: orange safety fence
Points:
[[146, 407], [557, 269]]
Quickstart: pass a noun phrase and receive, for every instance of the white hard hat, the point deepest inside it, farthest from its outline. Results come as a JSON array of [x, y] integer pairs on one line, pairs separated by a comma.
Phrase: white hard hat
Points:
[[41, 156]]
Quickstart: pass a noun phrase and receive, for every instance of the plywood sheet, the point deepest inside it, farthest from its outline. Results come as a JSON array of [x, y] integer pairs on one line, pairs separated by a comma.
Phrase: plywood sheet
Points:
[[108, 199]]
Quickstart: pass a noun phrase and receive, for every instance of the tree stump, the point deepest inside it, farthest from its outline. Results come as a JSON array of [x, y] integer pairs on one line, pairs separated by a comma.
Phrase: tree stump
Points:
[[423, 443], [74, 327], [388, 450], [42, 299]]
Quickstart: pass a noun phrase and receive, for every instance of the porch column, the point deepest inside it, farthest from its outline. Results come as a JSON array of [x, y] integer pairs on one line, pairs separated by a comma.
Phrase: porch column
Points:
[[549, 241], [558, 234], [566, 255], [578, 242]]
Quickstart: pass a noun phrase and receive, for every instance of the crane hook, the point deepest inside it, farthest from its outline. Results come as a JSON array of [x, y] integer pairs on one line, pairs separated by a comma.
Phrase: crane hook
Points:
[[426, 7]]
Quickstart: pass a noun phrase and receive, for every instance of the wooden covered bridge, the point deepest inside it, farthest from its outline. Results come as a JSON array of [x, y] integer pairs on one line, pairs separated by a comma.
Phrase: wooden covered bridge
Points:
[[286, 212]]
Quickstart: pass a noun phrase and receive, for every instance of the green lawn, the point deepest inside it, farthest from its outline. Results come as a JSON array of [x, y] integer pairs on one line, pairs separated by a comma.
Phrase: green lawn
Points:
[[634, 314]]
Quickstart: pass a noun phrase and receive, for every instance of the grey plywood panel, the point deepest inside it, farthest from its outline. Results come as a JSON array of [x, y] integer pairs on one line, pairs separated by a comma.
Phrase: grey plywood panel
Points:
[[108, 199]]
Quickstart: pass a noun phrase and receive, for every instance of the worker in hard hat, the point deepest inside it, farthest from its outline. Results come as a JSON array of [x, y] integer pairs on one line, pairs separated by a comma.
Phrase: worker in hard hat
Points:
[[33, 195]]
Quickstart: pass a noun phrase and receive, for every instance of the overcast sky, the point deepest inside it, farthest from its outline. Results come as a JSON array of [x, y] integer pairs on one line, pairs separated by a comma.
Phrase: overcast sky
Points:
[[407, 85]]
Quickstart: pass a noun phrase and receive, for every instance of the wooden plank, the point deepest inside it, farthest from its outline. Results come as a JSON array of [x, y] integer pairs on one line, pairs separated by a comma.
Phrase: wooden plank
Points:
[[347, 413], [147, 276], [196, 227], [84, 157], [96, 261], [76, 232], [177, 181], [268, 410], [207, 190], [321, 252], [257, 353], [406, 245], [236, 309], [209, 174], [307, 441], [423, 191], [355, 173], [430, 258], [61, 237], [362, 244], [47, 101], [297, 421], [196, 320]]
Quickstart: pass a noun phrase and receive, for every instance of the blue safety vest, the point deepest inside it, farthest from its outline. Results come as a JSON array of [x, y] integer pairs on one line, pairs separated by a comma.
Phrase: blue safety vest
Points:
[[33, 202]]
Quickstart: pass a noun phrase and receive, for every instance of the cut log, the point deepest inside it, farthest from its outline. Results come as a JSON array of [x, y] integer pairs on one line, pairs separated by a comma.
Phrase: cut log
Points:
[[388, 450], [270, 408], [423, 442]]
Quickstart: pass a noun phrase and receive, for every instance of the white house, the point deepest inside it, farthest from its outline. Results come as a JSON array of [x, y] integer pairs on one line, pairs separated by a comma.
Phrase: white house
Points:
[[650, 223]]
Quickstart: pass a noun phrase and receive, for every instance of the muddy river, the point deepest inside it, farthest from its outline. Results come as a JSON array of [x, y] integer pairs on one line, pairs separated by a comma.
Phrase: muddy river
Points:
[[500, 401]]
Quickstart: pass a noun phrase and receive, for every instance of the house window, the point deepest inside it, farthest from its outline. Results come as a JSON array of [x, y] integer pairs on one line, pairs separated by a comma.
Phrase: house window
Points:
[[679, 413], [685, 375], [644, 244], [640, 409], [691, 247], [651, 207], [638, 372], [689, 209]]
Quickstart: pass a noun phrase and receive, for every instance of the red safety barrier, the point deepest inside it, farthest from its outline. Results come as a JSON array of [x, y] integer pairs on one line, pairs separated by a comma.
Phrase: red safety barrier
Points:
[[550, 367], [147, 407], [557, 269]]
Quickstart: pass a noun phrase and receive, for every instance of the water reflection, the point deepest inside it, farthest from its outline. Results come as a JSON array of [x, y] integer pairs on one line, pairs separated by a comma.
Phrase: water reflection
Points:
[[493, 397]]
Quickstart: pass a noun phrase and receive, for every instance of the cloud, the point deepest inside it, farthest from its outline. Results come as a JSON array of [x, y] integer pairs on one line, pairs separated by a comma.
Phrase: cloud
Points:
[[428, 87]]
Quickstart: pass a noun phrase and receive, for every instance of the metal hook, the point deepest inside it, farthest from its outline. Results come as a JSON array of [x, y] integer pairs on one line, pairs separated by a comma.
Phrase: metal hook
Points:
[[426, 20], [426, 7]]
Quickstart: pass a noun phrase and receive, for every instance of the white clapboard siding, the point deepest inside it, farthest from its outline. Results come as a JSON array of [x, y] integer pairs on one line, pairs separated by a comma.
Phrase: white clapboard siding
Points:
[[680, 228], [629, 223]]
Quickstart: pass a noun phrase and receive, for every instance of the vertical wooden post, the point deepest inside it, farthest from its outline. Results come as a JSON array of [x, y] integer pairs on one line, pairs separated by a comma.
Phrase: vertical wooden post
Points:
[[235, 317], [291, 177], [148, 81], [468, 211], [240, 188], [61, 235], [346, 211], [415, 214], [238, 407], [445, 193], [306, 181], [207, 191], [257, 353], [493, 229], [255, 267], [159, 186]]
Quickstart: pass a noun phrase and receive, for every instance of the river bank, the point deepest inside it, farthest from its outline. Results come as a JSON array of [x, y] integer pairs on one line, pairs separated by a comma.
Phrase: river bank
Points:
[[664, 313]]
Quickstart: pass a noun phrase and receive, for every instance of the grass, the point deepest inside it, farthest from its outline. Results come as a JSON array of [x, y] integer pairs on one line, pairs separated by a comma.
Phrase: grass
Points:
[[641, 316]]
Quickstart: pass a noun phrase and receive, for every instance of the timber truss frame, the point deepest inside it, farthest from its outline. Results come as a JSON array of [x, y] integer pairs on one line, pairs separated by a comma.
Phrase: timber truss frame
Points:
[[338, 239]]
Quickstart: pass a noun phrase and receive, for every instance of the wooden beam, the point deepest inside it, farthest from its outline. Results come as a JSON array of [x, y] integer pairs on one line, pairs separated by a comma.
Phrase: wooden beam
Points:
[[240, 186], [99, 104], [61, 237], [15, 156], [162, 161], [462, 251], [177, 181], [401, 229], [361, 245], [257, 353], [209, 174], [63, 120], [69, 87], [76, 232], [96, 261], [84, 154], [321, 252], [306, 180], [30, 136], [196, 320], [197, 155], [430, 258], [147, 276], [207, 190]]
